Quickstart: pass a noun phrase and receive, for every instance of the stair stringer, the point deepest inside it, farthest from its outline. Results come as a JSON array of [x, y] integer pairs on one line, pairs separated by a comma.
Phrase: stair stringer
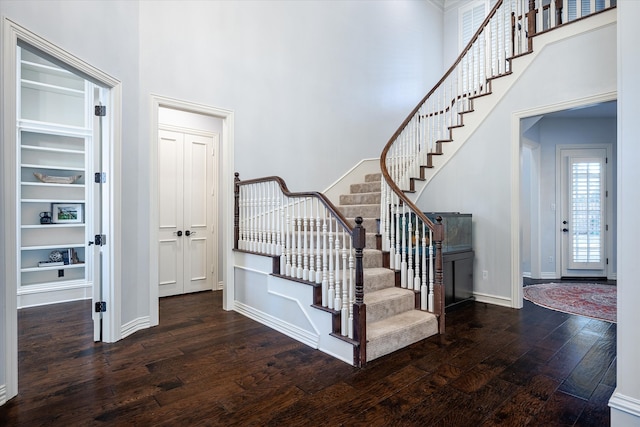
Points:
[[483, 106]]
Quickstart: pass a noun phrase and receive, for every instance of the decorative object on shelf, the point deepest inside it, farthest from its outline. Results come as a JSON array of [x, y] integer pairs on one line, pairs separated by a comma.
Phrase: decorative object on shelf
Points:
[[56, 179], [55, 256], [45, 217], [67, 213]]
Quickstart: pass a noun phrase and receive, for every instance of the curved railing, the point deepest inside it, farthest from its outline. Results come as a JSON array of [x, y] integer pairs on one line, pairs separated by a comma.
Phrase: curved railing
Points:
[[506, 33]]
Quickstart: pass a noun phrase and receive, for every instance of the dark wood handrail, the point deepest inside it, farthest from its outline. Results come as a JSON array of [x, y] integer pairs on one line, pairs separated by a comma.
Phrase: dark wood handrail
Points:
[[383, 156], [283, 186]]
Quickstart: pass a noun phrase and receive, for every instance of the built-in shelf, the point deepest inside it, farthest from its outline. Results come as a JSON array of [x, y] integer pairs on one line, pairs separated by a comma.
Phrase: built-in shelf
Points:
[[52, 88], [51, 184], [52, 226], [55, 267], [58, 168], [52, 247], [55, 133], [51, 150]]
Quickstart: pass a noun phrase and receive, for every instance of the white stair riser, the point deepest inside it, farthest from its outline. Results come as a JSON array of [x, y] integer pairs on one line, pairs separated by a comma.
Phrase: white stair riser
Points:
[[390, 307], [360, 199]]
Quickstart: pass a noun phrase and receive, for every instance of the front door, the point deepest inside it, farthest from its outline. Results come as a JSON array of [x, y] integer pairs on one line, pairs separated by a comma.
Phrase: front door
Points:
[[584, 212], [186, 214]]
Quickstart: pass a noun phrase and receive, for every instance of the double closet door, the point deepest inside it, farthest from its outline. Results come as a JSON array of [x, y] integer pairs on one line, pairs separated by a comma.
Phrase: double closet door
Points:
[[186, 212]]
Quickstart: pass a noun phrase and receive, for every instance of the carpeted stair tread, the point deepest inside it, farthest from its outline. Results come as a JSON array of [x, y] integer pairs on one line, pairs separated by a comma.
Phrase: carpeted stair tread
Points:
[[393, 333], [388, 302]]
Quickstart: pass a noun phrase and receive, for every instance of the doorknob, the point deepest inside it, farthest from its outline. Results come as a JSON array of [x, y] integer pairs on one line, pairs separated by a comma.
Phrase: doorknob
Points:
[[565, 230], [189, 233], [178, 233], [565, 222]]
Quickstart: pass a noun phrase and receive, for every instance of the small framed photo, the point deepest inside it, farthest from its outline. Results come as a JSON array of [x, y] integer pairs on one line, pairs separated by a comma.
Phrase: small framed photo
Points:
[[67, 213]]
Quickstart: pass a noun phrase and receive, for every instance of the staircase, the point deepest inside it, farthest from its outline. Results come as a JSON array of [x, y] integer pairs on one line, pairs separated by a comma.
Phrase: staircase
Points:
[[312, 241], [393, 322]]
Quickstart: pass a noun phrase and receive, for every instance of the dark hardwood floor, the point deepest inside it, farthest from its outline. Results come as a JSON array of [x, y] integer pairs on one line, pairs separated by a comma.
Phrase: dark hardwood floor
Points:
[[205, 366]]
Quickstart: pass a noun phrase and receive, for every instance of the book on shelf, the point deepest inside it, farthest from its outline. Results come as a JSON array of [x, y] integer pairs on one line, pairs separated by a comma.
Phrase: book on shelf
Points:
[[50, 263]]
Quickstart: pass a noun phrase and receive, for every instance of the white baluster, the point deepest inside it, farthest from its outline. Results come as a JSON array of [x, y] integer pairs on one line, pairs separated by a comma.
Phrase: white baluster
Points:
[[262, 202], [337, 303], [273, 220], [319, 246], [409, 273], [299, 240], [325, 267], [312, 230], [416, 277], [344, 317], [403, 262], [424, 289], [332, 291], [431, 270], [289, 269], [398, 257], [305, 231], [281, 235]]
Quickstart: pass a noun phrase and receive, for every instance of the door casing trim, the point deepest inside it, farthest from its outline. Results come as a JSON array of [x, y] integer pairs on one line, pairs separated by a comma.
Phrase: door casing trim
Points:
[[12, 34], [225, 196]]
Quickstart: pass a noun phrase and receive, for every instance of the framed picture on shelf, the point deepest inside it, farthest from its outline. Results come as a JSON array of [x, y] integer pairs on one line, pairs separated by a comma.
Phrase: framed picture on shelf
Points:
[[67, 213]]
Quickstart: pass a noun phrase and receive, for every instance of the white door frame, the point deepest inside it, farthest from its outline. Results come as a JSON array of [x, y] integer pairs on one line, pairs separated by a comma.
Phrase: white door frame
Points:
[[12, 34], [225, 197], [516, 142]]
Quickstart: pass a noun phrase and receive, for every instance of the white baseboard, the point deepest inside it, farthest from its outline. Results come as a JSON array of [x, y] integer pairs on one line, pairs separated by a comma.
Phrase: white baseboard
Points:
[[3, 394], [548, 275], [220, 286], [493, 299], [135, 325], [288, 329], [526, 274], [625, 404]]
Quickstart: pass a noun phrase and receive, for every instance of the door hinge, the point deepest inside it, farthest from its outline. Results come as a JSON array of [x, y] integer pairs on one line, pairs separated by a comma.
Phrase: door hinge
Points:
[[607, 261], [101, 110], [606, 227], [101, 306], [100, 177], [100, 239]]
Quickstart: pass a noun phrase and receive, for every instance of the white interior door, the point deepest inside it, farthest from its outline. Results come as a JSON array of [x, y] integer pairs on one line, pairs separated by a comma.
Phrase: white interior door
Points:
[[584, 212], [186, 257]]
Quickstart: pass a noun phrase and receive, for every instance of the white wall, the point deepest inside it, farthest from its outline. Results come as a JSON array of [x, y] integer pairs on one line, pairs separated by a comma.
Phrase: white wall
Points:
[[478, 178], [626, 398], [322, 83]]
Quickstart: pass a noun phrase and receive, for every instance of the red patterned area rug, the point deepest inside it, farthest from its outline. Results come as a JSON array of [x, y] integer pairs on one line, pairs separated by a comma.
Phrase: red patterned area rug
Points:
[[584, 299]]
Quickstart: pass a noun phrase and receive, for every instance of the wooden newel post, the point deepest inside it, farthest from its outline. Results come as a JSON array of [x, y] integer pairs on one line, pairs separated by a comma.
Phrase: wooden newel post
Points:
[[359, 307], [531, 23], [438, 291], [236, 210]]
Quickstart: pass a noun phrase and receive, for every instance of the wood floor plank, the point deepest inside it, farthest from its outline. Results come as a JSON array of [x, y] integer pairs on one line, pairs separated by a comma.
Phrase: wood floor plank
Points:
[[204, 366]]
